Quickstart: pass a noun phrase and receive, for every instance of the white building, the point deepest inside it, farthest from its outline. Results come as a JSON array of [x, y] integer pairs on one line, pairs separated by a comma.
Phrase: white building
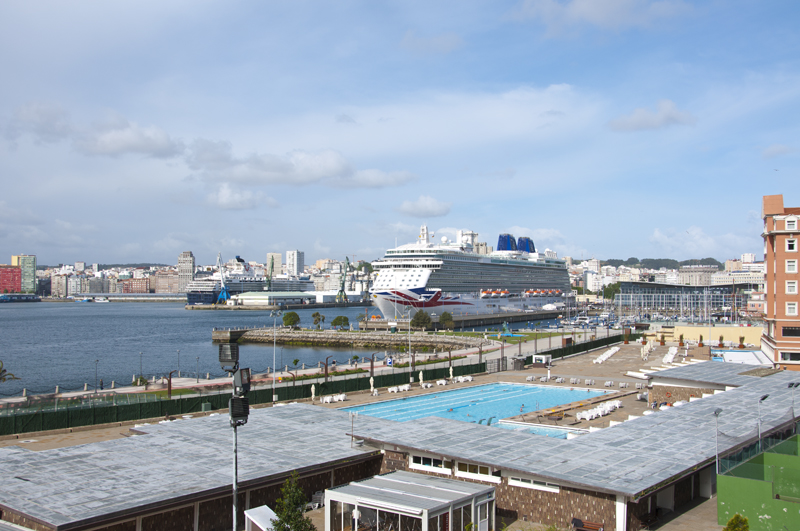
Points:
[[186, 266], [295, 262], [748, 258], [277, 260]]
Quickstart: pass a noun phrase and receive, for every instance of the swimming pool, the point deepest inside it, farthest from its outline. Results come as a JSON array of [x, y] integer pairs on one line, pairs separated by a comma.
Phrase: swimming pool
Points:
[[493, 401]]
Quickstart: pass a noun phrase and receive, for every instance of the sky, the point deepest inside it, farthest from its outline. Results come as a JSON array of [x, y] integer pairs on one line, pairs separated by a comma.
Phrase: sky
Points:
[[133, 131]]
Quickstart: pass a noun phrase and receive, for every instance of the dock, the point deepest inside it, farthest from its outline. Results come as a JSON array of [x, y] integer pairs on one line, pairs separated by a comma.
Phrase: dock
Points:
[[467, 321]]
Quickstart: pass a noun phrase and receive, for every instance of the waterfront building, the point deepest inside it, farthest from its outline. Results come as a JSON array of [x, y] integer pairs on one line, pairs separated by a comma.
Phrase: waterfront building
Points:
[[781, 338], [722, 278], [167, 282], [277, 261], [697, 275], [80, 266], [10, 279], [676, 299], [96, 268], [186, 266], [58, 285], [748, 258], [27, 265], [295, 262], [733, 265]]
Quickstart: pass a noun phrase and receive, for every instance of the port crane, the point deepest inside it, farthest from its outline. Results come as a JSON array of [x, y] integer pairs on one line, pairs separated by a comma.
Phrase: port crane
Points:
[[269, 274], [224, 294], [341, 296]]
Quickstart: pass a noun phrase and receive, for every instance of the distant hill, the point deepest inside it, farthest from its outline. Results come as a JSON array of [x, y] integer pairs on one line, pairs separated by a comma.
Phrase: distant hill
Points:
[[658, 263]]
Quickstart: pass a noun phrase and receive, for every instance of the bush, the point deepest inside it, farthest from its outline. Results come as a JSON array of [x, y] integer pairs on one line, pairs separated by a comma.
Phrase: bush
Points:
[[737, 523], [289, 508], [291, 319]]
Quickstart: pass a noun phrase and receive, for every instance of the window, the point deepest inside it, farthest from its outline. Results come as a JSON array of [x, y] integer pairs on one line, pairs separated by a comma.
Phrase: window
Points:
[[791, 266], [791, 287], [426, 463], [791, 224], [790, 356], [791, 245], [790, 331], [470, 470], [791, 308], [533, 484]]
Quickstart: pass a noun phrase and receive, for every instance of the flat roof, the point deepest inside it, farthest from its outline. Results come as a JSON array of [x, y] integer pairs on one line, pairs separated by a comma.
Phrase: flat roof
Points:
[[172, 462], [630, 458], [411, 491], [713, 372]]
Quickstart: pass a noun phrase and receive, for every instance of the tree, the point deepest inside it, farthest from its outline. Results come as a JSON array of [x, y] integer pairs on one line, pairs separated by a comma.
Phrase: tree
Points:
[[5, 375], [291, 319], [446, 320], [421, 320], [611, 290], [318, 319], [365, 265], [737, 523], [289, 508], [341, 320]]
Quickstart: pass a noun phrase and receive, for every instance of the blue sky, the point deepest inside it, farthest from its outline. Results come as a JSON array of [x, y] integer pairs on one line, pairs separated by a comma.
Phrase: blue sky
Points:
[[132, 131]]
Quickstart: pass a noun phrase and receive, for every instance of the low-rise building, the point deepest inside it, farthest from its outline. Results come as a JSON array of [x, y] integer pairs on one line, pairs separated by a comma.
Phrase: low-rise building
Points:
[[10, 279]]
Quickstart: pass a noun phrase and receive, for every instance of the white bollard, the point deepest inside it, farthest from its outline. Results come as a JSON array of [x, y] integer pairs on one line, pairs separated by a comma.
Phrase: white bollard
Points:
[[86, 387], [113, 384], [56, 389], [208, 376], [133, 380], [24, 392]]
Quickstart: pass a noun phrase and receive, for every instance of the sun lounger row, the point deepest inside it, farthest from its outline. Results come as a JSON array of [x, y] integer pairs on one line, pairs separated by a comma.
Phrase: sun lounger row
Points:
[[624, 385], [462, 379], [334, 398], [605, 355], [441, 382], [400, 388], [600, 410], [640, 386], [426, 385], [609, 383]]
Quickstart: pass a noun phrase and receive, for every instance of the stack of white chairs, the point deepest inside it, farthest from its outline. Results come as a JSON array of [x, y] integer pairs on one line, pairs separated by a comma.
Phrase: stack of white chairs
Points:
[[574, 381], [327, 399], [405, 387], [600, 410], [669, 357], [530, 379], [441, 382], [609, 383], [339, 398], [392, 390], [605, 355], [465, 378], [588, 382], [639, 386], [624, 385], [544, 379], [559, 380], [426, 385]]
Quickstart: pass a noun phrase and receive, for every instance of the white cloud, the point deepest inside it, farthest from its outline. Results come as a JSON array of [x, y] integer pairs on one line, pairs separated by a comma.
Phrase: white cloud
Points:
[[438, 44], [321, 249], [45, 122], [216, 162], [558, 16], [776, 150], [117, 136], [667, 114], [229, 198], [691, 242], [425, 207]]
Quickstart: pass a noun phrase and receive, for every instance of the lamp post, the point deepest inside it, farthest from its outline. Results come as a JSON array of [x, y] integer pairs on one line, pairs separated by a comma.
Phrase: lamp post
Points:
[[179, 363], [197, 369], [759, 419], [274, 314], [140, 366], [95, 375], [791, 386], [716, 434]]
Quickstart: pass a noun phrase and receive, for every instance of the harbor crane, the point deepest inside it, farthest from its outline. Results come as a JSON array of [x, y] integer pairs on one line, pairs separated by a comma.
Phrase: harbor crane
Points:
[[224, 294], [341, 296], [269, 274]]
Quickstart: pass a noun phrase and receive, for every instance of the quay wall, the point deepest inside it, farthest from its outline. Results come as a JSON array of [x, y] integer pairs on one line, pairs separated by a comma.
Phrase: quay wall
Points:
[[333, 338]]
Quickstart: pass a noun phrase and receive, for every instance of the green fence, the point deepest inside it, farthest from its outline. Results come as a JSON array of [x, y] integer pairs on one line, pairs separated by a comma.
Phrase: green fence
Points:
[[103, 412]]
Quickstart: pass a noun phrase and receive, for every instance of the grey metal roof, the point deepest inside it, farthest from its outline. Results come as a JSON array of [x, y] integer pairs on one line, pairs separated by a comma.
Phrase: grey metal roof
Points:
[[627, 459], [173, 460], [412, 490], [713, 372]]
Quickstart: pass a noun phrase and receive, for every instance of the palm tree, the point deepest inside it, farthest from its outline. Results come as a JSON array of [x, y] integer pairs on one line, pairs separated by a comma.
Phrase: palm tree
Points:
[[5, 375]]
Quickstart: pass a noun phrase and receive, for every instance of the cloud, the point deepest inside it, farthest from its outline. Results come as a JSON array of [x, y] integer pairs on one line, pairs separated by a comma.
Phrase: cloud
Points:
[[216, 162], [45, 122], [558, 16], [321, 249], [117, 136], [776, 150], [229, 198], [425, 207], [667, 114], [439, 44], [345, 119], [691, 242]]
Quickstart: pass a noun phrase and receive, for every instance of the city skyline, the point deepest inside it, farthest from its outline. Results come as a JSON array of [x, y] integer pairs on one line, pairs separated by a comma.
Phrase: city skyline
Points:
[[609, 130]]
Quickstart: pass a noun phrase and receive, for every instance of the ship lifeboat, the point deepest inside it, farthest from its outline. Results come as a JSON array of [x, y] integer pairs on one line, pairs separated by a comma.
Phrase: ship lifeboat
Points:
[[504, 293], [496, 293], [485, 293]]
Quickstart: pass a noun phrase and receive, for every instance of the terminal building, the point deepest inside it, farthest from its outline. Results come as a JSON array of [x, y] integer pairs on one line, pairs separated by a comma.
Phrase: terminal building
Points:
[[698, 301]]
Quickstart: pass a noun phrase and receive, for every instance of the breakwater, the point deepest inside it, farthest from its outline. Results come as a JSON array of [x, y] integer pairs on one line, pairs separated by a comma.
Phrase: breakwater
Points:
[[347, 339]]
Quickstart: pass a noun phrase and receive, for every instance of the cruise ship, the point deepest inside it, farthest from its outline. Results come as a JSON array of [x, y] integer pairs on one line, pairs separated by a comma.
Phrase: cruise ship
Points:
[[454, 276], [240, 278]]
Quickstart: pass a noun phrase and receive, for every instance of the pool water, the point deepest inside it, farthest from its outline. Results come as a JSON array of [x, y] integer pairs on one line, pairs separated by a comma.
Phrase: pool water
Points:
[[556, 433], [472, 404]]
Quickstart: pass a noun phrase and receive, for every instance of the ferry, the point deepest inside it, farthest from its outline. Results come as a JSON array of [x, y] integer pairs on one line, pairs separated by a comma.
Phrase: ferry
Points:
[[453, 276]]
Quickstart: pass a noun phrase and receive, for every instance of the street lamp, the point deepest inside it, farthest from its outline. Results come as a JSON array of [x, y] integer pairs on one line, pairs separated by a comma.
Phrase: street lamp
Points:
[[140, 366], [791, 386], [179, 363], [716, 434], [95, 375], [197, 369], [274, 314], [759, 419]]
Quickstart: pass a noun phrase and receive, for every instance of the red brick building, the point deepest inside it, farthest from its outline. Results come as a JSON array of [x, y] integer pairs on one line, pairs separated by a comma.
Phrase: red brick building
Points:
[[10, 279], [781, 339], [135, 285]]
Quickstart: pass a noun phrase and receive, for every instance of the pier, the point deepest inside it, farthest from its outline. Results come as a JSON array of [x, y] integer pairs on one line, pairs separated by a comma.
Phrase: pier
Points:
[[467, 321]]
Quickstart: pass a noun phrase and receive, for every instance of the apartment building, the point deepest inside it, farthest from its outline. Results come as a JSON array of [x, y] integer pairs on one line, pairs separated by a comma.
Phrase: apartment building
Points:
[[781, 338]]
